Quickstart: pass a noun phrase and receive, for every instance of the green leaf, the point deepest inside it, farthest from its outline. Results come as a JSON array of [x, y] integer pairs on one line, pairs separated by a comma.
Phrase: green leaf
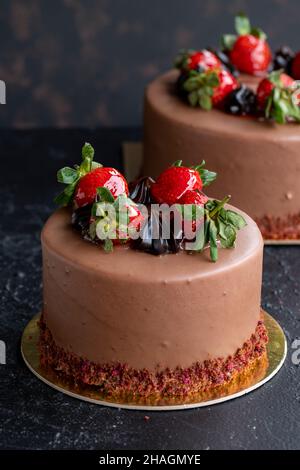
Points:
[[201, 237], [259, 33], [92, 230], [65, 198], [105, 195], [229, 237], [67, 175], [87, 152], [193, 98], [228, 41], [108, 245], [205, 102], [235, 219], [96, 165], [213, 246], [177, 163], [207, 176], [242, 24], [212, 80]]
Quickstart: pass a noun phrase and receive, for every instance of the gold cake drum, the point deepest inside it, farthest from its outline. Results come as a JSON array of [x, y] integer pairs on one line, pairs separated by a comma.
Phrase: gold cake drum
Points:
[[276, 354]]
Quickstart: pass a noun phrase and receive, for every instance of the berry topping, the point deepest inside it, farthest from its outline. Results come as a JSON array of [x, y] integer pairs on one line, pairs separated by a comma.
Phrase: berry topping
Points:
[[276, 96], [295, 67], [109, 178], [197, 60], [83, 180], [249, 51], [283, 58], [240, 102], [193, 197], [173, 183], [208, 89]]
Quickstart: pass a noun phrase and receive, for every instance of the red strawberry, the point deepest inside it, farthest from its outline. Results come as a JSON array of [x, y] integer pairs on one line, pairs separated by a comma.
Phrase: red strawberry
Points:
[[191, 225], [267, 85], [203, 60], [251, 54], [210, 88], [249, 51], [227, 83], [193, 197], [197, 60], [172, 184], [277, 96], [296, 66], [110, 178]]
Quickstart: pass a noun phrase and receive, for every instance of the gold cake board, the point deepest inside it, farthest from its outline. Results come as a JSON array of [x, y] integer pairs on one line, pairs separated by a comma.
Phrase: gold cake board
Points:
[[133, 160], [276, 352]]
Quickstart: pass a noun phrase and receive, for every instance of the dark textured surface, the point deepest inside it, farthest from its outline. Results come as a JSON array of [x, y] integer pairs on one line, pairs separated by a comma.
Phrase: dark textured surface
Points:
[[32, 415], [86, 62]]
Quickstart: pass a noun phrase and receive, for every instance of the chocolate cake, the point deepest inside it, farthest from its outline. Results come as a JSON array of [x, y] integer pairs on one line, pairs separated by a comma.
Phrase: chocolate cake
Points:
[[249, 134], [144, 321]]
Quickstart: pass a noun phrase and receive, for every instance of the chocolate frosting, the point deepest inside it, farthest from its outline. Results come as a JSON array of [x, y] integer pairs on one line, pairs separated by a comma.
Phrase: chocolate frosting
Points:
[[257, 162], [149, 311]]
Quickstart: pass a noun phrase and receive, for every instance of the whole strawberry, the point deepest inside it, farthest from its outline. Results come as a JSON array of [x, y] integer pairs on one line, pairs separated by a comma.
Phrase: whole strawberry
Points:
[[296, 67], [249, 51], [83, 180], [109, 178], [197, 60], [210, 88], [174, 182], [276, 97]]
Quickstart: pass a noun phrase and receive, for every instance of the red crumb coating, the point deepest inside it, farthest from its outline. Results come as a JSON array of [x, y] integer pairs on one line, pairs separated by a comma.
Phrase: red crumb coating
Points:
[[280, 228], [120, 382]]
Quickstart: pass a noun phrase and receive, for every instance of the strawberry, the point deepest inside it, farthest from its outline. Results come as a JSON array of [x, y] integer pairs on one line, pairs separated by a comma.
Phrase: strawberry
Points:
[[197, 60], [193, 197], [83, 180], [109, 178], [192, 224], [249, 51], [210, 88], [296, 66], [175, 181], [276, 96], [227, 83]]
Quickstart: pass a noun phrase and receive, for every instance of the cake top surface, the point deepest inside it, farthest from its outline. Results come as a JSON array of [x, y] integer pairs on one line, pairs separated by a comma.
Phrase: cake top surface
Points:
[[59, 237], [162, 95]]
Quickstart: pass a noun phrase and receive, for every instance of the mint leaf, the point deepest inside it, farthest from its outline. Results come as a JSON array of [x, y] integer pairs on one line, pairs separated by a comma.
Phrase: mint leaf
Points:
[[213, 246], [235, 219], [67, 175], [205, 102], [242, 24]]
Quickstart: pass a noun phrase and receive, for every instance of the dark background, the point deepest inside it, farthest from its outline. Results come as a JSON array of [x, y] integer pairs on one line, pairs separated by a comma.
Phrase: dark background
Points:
[[86, 62]]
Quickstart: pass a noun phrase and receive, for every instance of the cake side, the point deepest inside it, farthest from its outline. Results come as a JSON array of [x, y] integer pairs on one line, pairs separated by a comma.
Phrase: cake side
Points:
[[236, 147], [144, 310]]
